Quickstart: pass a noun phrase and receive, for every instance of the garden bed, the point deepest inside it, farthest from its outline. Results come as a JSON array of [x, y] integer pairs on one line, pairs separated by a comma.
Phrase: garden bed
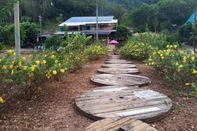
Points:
[[53, 109]]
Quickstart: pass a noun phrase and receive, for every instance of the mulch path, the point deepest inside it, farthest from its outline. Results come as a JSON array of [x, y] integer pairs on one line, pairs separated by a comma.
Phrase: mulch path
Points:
[[53, 108]]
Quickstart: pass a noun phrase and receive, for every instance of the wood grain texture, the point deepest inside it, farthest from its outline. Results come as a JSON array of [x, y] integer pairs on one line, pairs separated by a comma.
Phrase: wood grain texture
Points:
[[119, 124], [122, 66], [118, 61], [120, 79], [123, 101], [118, 70]]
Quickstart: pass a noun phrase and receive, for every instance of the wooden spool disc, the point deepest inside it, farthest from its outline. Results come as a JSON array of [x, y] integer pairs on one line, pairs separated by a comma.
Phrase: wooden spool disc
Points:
[[114, 56], [118, 61], [119, 124], [119, 70], [121, 101], [120, 79], [118, 66]]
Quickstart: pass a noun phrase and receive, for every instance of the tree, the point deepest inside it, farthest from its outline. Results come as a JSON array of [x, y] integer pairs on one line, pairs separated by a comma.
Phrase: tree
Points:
[[8, 35], [31, 30], [140, 17], [122, 32], [153, 14], [6, 7]]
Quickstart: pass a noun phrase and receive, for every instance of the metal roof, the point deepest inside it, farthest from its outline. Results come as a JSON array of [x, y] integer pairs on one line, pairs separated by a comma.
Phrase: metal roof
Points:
[[76, 21], [191, 18], [90, 19]]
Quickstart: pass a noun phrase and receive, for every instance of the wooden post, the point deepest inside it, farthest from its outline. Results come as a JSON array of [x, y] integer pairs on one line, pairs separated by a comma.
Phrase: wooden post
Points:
[[17, 29], [97, 21]]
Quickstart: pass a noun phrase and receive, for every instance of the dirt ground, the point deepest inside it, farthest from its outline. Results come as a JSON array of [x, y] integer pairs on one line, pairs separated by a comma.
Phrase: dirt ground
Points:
[[53, 108]]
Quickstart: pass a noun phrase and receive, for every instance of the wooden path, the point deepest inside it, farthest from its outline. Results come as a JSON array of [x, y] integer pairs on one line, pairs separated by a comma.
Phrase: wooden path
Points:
[[122, 104], [116, 61], [120, 79], [120, 124], [122, 101], [121, 66], [118, 70]]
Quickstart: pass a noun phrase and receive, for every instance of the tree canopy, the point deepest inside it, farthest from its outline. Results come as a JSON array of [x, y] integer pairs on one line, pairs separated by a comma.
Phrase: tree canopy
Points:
[[154, 14]]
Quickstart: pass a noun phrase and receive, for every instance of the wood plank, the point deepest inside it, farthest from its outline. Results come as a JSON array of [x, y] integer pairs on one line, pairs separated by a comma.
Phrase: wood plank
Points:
[[118, 70], [119, 124], [120, 79], [118, 61], [122, 66], [109, 107], [143, 104]]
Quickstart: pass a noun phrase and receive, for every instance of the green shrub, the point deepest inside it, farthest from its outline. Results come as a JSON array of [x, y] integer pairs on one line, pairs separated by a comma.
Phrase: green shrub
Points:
[[95, 51]]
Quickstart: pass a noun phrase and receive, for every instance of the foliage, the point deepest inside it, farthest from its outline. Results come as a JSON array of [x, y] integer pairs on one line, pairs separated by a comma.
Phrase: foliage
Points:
[[8, 37], [136, 50], [1, 46], [31, 30], [187, 32], [179, 66], [23, 76], [162, 15], [95, 51], [122, 32], [28, 32], [134, 3], [6, 7], [53, 41]]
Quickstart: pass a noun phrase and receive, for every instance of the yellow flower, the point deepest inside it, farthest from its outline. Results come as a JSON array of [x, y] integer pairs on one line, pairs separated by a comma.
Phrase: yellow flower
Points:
[[184, 59], [193, 58], [149, 59], [44, 61], [31, 75], [193, 53], [176, 63], [62, 70], [1, 100], [54, 72], [56, 61], [52, 56], [19, 64], [175, 46], [12, 72], [11, 66], [188, 84], [194, 72], [180, 66], [48, 75], [65, 69], [37, 62], [23, 58], [4, 67], [32, 68]]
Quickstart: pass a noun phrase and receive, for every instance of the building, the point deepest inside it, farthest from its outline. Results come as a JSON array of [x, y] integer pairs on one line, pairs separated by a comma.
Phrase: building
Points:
[[192, 18], [106, 26]]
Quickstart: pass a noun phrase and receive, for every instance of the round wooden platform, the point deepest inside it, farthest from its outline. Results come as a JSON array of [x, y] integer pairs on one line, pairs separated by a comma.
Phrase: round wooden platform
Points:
[[121, 101], [114, 56], [118, 66], [119, 124], [120, 79], [118, 61], [119, 70]]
